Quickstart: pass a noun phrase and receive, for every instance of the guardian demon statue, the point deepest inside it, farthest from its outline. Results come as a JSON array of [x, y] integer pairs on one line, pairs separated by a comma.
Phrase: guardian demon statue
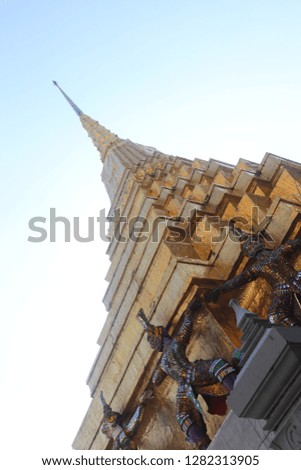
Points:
[[275, 267], [114, 428], [213, 379]]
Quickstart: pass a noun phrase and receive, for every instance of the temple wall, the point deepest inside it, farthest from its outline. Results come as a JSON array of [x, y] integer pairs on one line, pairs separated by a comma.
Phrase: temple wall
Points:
[[161, 277]]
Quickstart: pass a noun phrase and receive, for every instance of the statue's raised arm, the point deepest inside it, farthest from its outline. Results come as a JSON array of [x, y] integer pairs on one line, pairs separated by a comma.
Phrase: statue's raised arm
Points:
[[184, 334]]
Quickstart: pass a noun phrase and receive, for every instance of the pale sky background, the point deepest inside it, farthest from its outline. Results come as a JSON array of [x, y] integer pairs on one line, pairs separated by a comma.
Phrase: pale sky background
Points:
[[195, 78]]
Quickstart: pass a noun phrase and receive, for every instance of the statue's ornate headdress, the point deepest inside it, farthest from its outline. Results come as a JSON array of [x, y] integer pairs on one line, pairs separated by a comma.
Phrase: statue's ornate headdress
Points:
[[252, 242], [155, 334], [252, 246], [110, 416]]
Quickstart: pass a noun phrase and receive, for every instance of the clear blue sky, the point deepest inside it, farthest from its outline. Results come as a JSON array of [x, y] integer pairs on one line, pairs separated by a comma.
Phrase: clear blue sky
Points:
[[195, 78]]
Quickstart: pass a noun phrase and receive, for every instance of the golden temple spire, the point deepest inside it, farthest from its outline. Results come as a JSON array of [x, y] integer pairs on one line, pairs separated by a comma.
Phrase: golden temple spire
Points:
[[102, 138], [123, 160]]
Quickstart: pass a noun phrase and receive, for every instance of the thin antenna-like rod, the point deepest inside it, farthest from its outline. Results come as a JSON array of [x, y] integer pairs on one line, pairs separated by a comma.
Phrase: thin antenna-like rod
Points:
[[73, 105]]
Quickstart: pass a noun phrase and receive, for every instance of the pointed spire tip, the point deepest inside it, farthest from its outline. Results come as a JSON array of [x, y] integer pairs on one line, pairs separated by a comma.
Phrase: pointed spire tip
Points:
[[72, 104]]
